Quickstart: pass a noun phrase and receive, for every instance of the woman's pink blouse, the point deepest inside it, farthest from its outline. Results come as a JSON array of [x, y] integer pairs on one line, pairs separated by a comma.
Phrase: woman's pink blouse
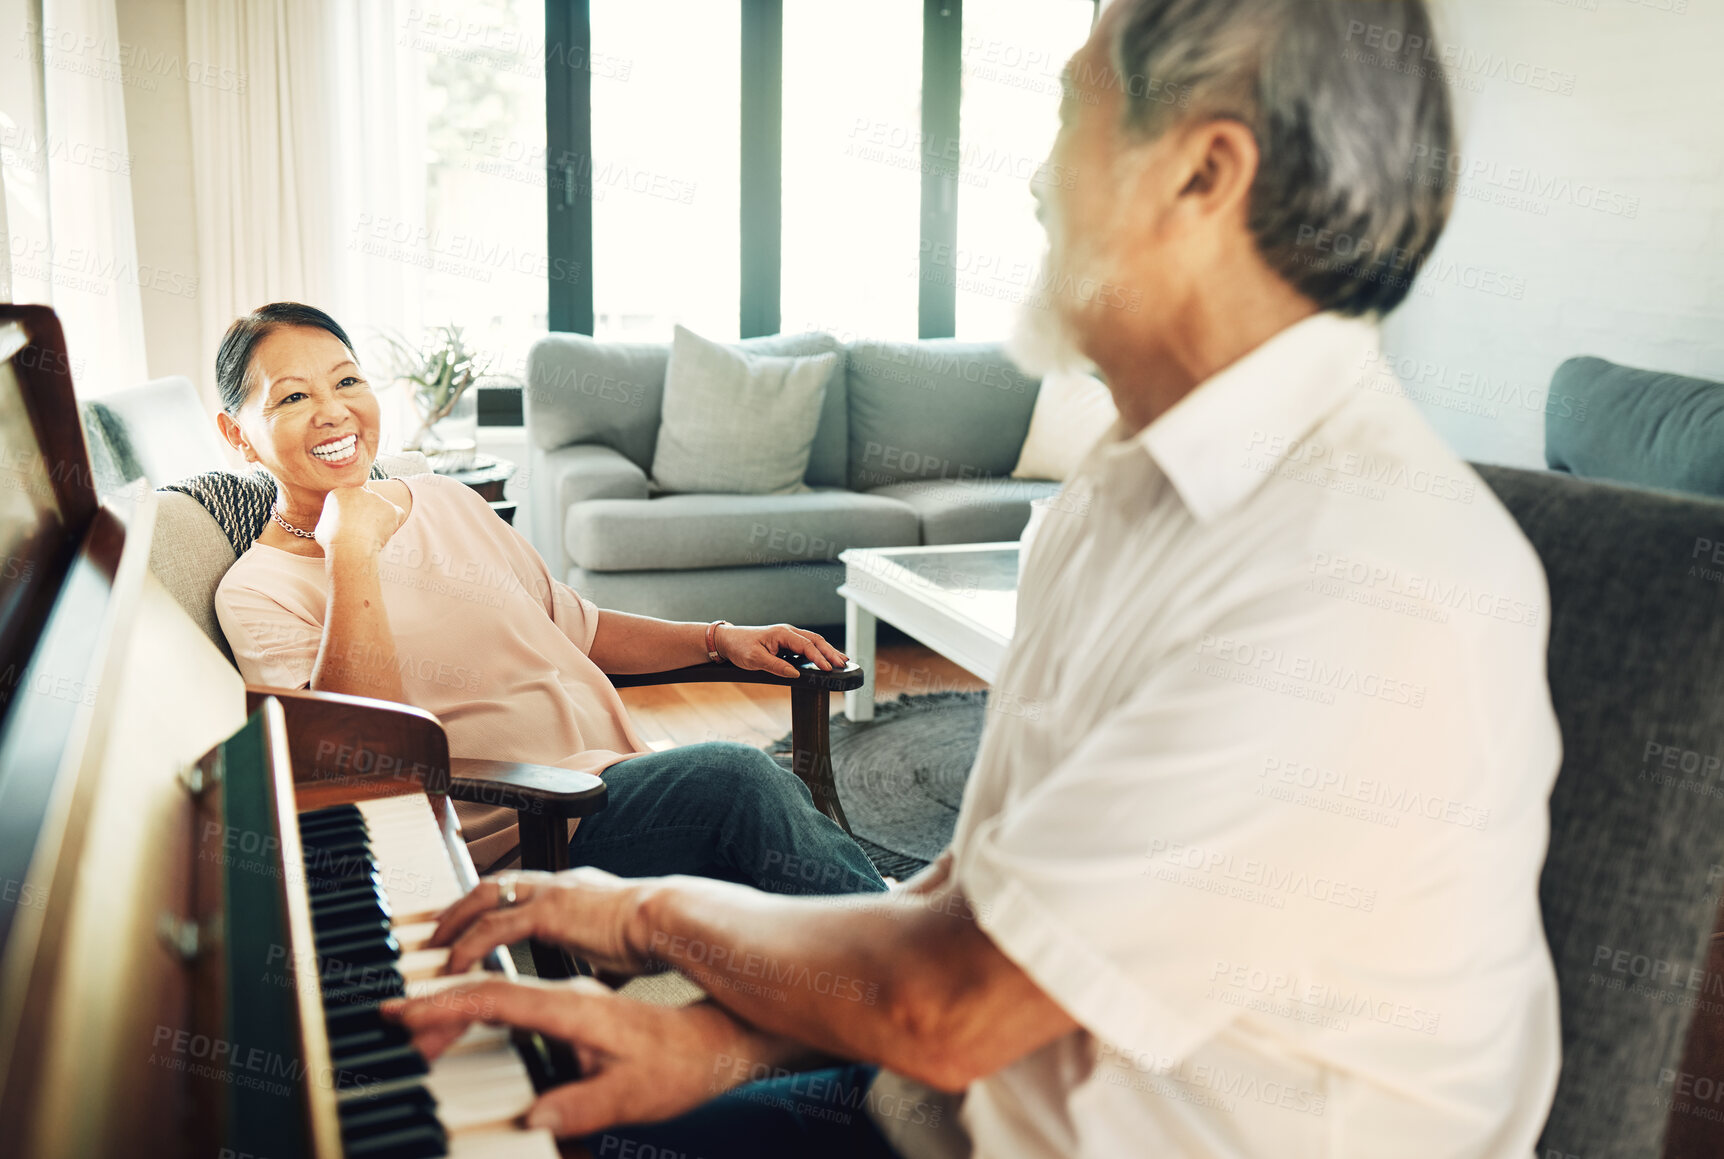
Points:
[[485, 639]]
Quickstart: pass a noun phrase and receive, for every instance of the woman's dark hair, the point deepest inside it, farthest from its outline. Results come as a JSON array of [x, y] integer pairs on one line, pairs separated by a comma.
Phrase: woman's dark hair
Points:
[[233, 360]]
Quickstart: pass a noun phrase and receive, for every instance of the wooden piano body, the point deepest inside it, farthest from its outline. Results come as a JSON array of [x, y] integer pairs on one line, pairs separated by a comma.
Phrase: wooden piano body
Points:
[[149, 872]]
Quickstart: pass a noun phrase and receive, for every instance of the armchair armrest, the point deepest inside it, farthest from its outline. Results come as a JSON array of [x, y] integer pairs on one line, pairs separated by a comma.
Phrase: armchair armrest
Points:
[[536, 790], [809, 676], [810, 724]]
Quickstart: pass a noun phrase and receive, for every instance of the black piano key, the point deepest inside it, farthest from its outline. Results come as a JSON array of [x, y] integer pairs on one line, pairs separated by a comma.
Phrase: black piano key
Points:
[[335, 839], [360, 987], [342, 1018], [367, 1118], [366, 904], [363, 1112], [332, 825], [362, 949], [351, 929], [327, 893], [365, 1040], [421, 1141], [332, 837], [346, 809], [363, 1068], [335, 871], [322, 860]]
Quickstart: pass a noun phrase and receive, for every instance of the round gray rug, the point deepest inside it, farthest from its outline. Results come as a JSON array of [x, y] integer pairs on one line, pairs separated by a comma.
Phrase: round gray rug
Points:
[[901, 775]]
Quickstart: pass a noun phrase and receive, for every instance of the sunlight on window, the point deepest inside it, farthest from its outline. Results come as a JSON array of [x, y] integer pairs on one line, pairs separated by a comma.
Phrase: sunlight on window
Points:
[[485, 174], [666, 168], [852, 167], [1013, 55]]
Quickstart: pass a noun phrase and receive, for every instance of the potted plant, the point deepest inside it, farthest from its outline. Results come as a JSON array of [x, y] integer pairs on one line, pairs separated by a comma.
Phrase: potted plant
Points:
[[438, 376]]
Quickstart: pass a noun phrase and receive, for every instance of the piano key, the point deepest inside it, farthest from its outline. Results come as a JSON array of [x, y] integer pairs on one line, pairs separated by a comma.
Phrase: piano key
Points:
[[425, 963], [373, 926], [369, 985], [371, 1067], [362, 1036], [386, 1112], [360, 950], [418, 1141], [481, 1086], [498, 1143], [367, 903], [418, 879], [324, 895], [413, 936], [391, 1101]]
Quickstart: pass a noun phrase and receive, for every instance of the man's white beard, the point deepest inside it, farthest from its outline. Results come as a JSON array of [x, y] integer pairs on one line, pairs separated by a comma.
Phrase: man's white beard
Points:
[[1041, 341]]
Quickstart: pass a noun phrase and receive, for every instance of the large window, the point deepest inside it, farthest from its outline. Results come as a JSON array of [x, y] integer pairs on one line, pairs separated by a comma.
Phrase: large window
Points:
[[853, 156], [889, 150], [485, 174], [1013, 57], [665, 169]]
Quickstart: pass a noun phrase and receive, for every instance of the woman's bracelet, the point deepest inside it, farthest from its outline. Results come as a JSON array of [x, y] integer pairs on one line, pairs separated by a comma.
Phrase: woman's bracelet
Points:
[[712, 640]]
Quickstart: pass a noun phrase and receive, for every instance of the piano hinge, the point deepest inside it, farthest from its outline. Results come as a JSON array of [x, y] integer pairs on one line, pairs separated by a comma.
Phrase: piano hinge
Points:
[[196, 778], [183, 936]]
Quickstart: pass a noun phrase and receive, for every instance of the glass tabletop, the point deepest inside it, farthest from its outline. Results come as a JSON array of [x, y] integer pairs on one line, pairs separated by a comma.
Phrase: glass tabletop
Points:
[[977, 584]]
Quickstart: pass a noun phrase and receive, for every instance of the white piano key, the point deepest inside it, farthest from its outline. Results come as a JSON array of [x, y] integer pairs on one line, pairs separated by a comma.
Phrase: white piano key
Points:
[[500, 1144], [417, 964], [412, 860], [484, 1086], [414, 935]]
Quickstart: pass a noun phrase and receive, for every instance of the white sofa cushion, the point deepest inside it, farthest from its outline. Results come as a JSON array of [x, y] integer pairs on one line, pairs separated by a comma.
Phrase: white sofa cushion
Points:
[[1072, 412]]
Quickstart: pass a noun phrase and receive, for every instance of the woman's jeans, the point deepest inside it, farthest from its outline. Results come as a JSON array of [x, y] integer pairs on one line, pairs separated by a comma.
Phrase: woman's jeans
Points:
[[722, 810], [819, 1114], [728, 811]]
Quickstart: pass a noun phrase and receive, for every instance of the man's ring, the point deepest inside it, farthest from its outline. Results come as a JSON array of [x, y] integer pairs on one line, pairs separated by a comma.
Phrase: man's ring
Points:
[[506, 890]]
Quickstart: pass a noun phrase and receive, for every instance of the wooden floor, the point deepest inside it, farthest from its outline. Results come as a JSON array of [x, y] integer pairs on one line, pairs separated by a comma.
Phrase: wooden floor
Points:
[[758, 714]]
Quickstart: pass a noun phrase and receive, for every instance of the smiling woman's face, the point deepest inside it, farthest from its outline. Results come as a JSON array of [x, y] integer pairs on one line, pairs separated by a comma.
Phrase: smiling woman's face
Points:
[[310, 418]]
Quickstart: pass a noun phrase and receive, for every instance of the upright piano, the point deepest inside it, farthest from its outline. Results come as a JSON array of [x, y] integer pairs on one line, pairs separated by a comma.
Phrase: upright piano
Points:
[[192, 945]]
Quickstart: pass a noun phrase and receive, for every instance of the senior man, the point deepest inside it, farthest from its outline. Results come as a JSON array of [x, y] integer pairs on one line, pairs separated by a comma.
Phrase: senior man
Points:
[[1258, 877]]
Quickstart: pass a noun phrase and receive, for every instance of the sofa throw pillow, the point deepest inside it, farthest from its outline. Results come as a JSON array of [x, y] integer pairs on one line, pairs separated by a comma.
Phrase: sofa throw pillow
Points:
[[737, 423], [1072, 412]]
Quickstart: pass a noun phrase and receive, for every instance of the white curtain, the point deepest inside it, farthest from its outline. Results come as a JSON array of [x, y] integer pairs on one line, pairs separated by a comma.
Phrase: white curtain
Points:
[[310, 183], [71, 242]]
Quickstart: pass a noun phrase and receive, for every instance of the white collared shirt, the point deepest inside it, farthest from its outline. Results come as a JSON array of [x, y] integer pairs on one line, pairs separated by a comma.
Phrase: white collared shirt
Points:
[[1262, 796]]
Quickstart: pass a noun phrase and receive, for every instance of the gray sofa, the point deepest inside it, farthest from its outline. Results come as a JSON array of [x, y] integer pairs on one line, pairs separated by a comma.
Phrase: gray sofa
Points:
[[915, 445]]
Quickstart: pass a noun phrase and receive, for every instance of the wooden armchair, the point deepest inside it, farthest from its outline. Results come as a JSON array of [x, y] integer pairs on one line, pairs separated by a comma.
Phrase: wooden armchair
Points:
[[333, 737]]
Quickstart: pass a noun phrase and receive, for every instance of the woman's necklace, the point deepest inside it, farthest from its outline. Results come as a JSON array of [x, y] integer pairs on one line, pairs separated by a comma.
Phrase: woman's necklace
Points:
[[275, 514]]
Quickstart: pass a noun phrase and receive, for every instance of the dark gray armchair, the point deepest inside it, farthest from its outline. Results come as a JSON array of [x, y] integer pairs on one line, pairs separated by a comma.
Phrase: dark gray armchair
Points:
[[1631, 884]]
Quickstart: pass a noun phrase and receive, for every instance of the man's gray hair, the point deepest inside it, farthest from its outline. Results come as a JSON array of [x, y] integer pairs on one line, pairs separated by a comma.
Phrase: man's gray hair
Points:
[[1344, 97]]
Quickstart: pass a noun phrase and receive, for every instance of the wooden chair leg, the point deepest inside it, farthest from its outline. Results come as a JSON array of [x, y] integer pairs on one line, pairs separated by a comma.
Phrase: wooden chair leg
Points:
[[811, 749], [545, 845]]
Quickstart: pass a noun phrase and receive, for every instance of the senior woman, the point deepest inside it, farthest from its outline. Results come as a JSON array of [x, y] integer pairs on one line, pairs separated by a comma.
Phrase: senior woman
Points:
[[411, 589]]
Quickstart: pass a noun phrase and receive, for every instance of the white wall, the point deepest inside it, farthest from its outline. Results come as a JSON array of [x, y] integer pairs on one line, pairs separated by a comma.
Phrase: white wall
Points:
[[1644, 122]]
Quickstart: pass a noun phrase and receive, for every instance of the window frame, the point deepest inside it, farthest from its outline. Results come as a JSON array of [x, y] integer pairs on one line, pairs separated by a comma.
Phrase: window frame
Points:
[[568, 125]]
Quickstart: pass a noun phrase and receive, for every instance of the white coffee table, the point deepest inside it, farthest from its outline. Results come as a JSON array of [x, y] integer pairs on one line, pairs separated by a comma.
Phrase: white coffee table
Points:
[[960, 599]]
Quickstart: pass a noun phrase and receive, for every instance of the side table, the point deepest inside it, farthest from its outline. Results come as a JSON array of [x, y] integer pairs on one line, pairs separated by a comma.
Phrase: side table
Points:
[[488, 475]]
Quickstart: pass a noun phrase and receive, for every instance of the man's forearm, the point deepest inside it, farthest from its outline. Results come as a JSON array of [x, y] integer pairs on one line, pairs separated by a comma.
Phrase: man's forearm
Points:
[[626, 643], [905, 979], [357, 655]]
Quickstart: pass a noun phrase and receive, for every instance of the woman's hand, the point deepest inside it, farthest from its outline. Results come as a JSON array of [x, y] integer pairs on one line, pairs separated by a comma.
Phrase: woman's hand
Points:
[[591, 912], [639, 1063], [758, 648], [357, 519]]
